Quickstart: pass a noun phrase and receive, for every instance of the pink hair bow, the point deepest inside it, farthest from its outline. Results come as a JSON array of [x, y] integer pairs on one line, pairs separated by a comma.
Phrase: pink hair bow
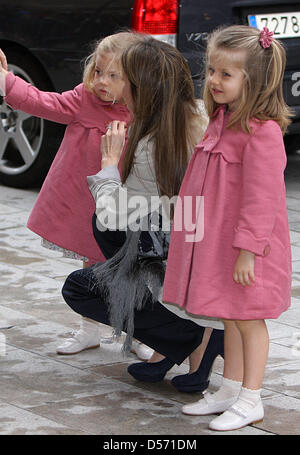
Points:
[[266, 37]]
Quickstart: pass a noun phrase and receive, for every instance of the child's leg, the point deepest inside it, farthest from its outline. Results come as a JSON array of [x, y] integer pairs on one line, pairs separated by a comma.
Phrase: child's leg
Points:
[[256, 348], [87, 337], [232, 377], [248, 408], [233, 352]]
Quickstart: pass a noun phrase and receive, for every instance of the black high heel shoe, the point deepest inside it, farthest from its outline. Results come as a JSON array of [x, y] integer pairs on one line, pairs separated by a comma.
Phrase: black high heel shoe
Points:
[[199, 380], [150, 371]]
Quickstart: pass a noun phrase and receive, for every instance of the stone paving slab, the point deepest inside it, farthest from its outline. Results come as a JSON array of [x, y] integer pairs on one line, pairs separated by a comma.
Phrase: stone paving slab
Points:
[[16, 421]]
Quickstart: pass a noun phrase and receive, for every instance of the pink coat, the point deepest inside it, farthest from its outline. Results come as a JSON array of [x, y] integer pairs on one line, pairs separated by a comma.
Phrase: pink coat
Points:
[[64, 208], [241, 177]]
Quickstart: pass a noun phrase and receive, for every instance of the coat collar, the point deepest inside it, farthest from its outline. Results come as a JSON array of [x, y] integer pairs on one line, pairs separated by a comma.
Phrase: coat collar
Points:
[[222, 108], [214, 129]]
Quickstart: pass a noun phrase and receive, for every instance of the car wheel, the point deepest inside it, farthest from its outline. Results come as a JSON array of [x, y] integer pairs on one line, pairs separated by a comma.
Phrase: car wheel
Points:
[[27, 144]]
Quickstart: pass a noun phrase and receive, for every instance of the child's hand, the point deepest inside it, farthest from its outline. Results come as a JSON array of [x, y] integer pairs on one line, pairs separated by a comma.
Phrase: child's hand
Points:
[[112, 143], [244, 268], [3, 62]]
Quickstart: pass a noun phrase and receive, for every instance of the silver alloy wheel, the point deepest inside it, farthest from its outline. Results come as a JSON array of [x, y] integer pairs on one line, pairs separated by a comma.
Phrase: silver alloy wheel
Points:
[[21, 135]]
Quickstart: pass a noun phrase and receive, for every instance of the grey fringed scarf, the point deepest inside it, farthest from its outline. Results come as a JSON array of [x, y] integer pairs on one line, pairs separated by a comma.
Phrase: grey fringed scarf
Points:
[[126, 280]]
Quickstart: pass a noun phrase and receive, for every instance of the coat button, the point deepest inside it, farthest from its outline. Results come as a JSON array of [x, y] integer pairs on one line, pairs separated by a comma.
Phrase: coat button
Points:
[[267, 250]]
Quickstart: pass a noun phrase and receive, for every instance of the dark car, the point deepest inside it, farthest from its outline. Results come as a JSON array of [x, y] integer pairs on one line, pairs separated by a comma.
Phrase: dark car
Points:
[[46, 42]]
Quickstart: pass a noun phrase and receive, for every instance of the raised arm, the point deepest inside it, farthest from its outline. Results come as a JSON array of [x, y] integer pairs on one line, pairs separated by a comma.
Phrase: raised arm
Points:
[[60, 108]]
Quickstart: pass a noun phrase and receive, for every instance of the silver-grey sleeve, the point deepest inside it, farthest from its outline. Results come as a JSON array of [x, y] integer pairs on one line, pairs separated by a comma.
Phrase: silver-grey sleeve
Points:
[[107, 179], [119, 206]]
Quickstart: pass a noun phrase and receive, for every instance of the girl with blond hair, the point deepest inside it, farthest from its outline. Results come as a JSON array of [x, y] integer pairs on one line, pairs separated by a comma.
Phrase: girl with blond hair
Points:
[[64, 208], [241, 270]]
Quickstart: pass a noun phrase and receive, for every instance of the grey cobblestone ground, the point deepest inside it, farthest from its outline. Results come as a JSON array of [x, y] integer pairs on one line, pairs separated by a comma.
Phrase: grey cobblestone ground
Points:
[[91, 393]]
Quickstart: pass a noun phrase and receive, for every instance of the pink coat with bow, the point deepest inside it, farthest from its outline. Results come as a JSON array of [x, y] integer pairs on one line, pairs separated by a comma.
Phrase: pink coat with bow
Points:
[[64, 208], [241, 177]]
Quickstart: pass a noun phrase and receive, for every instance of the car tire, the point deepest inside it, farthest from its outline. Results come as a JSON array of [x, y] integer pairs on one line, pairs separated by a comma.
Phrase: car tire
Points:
[[27, 144]]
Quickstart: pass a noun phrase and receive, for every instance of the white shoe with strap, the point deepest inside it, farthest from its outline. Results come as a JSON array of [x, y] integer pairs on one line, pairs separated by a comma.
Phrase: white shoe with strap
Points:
[[238, 417], [208, 405], [87, 337]]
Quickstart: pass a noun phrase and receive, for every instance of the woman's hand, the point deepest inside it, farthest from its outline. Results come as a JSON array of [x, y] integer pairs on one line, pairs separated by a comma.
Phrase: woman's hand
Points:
[[244, 268], [3, 63], [112, 143]]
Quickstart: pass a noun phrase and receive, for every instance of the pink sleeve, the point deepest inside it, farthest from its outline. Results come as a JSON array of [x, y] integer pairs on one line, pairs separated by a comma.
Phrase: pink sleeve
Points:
[[264, 161], [60, 108]]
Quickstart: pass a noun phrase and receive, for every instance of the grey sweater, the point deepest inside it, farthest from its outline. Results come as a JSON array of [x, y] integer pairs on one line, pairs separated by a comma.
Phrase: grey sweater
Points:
[[119, 206]]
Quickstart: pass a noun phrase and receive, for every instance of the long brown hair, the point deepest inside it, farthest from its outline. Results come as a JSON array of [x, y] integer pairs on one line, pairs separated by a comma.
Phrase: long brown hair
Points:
[[262, 93], [164, 108]]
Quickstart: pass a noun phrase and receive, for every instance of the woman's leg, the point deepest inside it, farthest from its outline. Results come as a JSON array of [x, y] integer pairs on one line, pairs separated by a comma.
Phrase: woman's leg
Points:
[[195, 357], [201, 362], [155, 326], [110, 242], [88, 321]]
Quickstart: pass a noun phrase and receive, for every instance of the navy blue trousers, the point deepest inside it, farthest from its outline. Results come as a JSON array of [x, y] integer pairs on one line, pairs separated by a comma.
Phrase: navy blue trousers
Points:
[[154, 325]]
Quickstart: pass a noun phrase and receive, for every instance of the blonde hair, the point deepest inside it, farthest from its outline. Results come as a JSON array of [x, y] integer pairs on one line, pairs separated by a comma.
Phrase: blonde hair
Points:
[[262, 93], [115, 44]]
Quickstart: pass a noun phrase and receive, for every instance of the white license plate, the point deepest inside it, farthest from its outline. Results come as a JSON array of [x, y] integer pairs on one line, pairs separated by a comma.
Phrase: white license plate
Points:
[[284, 25]]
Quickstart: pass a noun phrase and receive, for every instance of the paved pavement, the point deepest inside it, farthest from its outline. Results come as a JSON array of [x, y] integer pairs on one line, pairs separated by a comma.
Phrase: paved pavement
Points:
[[91, 393]]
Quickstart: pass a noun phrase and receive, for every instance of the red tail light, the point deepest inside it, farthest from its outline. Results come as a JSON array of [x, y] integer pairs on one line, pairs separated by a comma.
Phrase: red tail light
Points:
[[156, 17]]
